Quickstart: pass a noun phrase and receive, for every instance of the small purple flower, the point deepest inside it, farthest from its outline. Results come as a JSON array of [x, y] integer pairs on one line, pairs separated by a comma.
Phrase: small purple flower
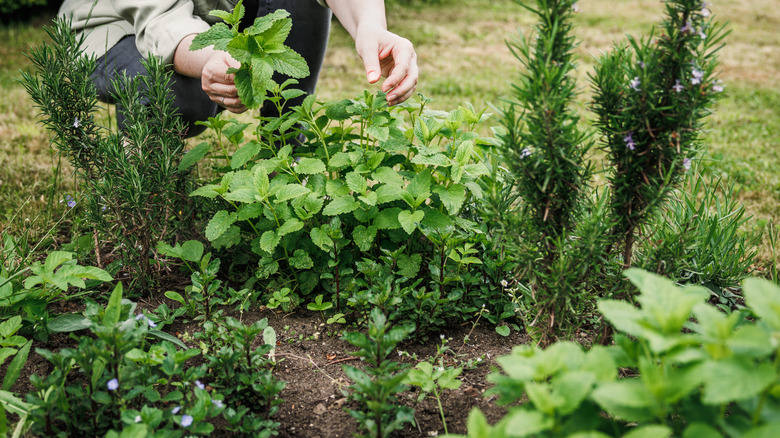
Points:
[[151, 323], [140, 316], [76, 123], [176, 410], [704, 11], [137, 418], [686, 163], [686, 27], [678, 87], [525, 153], [702, 34], [575, 7], [697, 76], [218, 403], [112, 384], [186, 420], [641, 64], [69, 201], [634, 84], [629, 139], [199, 384], [716, 87]]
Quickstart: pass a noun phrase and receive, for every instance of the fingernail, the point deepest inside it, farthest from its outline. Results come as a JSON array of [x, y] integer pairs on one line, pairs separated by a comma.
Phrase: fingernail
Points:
[[373, 76]]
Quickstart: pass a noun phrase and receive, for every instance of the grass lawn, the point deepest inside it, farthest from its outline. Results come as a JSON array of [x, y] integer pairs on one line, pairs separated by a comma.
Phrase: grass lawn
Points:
[[463, 58]]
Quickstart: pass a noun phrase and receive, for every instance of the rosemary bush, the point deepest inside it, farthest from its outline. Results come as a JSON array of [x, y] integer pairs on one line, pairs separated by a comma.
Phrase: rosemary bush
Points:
[[650, 99], [134, 193]]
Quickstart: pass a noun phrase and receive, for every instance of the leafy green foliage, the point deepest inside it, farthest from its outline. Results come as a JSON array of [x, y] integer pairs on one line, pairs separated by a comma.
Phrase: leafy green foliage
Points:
[[375, 388], [685, 370], [259, 48]]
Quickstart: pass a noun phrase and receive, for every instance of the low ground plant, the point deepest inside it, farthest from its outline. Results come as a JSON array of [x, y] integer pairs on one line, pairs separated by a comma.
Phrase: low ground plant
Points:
[[678, 357]]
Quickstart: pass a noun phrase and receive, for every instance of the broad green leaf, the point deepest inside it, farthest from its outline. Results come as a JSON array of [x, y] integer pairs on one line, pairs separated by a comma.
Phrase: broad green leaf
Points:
[[321, 239], [191, 250], [290, 63], [649, 431], [369, 199], [340, 205], [69, 322], [269, 240], [356, 182], [763, 298], [55, 259], [665, 305], [15, 367], [388, 193], [522, 422], [437, 221], [364, 237], [449, 379], [166, 337], [388, 176], [308, 166], [409, 220], [627, 399], [301, 260], [290, 191], [409, 265], [770, 430], [436, 160], [10, 326], [114, 307], [734, 379], [503, 330], [339, 110], [175, 296], [336, 188], [272, 39], [245, 153], [701, 430], [210, 191], [194, 155], [387, 219], [452, 197], [289, 226], [229, 238], [219, 35], [243, 81], [218, 224], [477, 424], [379, 132], [338, 160], [420, 186]]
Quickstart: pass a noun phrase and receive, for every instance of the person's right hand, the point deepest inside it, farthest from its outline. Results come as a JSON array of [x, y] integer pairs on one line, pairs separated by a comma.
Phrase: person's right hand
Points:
[[218, 84]]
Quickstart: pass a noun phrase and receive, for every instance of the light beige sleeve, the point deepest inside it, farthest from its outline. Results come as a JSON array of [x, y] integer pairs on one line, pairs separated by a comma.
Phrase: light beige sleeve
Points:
[[159, 25]]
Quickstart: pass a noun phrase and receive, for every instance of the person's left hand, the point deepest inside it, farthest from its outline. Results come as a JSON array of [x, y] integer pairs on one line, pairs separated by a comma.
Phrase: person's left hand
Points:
[[387, 54]]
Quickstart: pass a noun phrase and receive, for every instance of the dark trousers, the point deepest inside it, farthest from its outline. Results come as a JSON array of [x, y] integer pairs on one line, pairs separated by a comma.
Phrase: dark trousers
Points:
[[309, 37]]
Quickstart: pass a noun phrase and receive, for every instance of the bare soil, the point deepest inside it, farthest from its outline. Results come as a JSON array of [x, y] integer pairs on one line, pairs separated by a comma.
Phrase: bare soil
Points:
[[310, 356]]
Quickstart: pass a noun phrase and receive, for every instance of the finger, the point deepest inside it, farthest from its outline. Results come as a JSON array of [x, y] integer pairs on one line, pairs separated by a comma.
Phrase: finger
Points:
[[373, 68], [405, 88], [404, 64], [217, 90]]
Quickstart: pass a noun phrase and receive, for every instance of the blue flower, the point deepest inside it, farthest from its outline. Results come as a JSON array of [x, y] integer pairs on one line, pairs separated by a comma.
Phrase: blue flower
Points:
[[186, 420], [199, 384], [629, 140], [678, 87], [138, 419], [112, 384], [686, 27], [634, 84], [76, 123], [175, 410], [686, 163], [69, 201], [525, 153], [704, 11], [716, 87], [218, 403]]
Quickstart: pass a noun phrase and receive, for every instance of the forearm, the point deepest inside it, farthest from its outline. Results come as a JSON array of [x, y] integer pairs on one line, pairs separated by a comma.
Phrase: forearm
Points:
[[189, 63], [352, 14]]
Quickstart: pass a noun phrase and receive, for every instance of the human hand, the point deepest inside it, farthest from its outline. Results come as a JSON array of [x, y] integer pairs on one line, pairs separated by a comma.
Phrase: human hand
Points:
[[387, 54], [218, 84]]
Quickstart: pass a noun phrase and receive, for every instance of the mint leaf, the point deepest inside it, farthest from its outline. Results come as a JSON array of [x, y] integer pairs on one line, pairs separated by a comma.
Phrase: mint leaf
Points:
[[290, 63], [264, 23], [340, 205], [219, 35]]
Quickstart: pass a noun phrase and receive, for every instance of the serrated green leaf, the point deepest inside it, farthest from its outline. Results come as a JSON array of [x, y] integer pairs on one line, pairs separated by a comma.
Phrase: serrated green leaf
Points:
[[745, 379], [272, 39], [452, 197], [364, 236], [527, 423], [381, 133], [436, 160], [290, 191], [763, 298], [388, 193], [10, 326], [218, 224], [339, 110], [301, 260], [387, 175], [290, 63], [313, 203], [320, 238], [338, 161], [262, 82], [308, 166], [210, 191], [245, 153], [192, 250], [229, 238], [356, 182], [335, 188], [409, 220], [289, 226], [420, 186], [341, 205], [219, 35], [269, 240], [265, 22], [114, 307], [370, 198], [387, 219]]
